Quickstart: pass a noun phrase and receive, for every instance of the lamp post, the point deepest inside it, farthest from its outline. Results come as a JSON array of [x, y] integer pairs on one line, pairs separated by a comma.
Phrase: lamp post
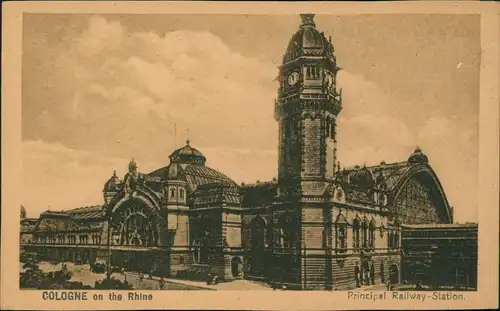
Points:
[[108, 263], [107, 215]]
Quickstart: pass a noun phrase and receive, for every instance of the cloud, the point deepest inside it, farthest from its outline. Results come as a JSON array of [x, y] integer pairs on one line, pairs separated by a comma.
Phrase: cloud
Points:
[[448, 147], [370, 132], [361, 95], [132, 87], [64, 178], [60, 178]]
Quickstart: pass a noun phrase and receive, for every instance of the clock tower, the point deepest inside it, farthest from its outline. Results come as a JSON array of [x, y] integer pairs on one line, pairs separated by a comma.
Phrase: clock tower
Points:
[[306, 108]]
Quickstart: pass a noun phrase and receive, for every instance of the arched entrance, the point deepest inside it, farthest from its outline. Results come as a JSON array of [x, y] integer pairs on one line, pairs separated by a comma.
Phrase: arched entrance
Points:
[[418, 273], [136, 225], [236, 267], [258, 230], [394, 274]]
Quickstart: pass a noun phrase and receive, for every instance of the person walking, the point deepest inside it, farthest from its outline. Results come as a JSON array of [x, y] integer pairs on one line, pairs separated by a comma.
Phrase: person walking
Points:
[[357, 275]]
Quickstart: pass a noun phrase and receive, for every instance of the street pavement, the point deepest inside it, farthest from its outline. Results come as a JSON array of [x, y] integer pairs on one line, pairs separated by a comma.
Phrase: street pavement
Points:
[[82, 273]]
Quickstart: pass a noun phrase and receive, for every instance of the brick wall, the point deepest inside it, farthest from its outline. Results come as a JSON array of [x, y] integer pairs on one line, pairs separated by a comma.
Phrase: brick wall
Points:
[[311, 147]]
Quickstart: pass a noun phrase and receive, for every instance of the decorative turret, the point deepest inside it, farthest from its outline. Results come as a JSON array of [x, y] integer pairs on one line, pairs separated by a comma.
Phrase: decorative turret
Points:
[[111, 187], [23, 212], [175, 187]]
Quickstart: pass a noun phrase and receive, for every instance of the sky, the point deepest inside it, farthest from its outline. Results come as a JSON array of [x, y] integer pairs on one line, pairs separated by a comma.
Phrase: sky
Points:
[[99, 90]]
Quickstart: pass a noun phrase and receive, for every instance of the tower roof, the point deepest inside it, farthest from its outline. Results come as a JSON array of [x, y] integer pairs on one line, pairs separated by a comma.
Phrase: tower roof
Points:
[[187, 155], [308, 41], [112, 183]]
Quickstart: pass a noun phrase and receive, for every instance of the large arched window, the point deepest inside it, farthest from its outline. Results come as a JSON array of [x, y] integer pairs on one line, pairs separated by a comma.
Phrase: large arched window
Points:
[[356, 227], [364, 232], [257, 233], [137, 230], [371, 230], [204, 246], [341, 233]]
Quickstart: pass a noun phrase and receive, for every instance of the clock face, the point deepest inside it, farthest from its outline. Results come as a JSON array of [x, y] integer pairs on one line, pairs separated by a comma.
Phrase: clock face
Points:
[[293, 78]]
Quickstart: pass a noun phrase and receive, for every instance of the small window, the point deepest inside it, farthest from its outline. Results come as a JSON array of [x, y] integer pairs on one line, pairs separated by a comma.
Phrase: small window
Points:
[[181, 194], [172, 193]]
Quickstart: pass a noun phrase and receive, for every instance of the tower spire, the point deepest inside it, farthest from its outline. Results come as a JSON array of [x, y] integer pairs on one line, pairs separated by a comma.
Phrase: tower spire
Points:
[[307, 20]]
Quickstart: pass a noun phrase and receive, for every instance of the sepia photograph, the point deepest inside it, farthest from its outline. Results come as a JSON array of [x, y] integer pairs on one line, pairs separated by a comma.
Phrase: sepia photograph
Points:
[[303, 151], [284, 152]]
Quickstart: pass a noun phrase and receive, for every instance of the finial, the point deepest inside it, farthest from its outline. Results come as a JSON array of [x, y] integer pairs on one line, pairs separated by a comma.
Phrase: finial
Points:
[[114, 173], [187, 142], [307, 20]]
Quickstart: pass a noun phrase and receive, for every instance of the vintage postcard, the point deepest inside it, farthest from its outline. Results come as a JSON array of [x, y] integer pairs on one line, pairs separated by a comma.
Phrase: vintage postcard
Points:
[[250, 155]]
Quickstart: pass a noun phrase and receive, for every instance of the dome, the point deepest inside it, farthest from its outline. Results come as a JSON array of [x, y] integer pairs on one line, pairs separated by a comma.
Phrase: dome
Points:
[[112, 182], [188, 164], [418, 156], [187, 155], [308, 41]]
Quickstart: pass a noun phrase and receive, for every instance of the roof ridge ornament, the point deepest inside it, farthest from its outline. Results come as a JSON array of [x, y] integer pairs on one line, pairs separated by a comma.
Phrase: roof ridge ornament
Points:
[[307, 20]]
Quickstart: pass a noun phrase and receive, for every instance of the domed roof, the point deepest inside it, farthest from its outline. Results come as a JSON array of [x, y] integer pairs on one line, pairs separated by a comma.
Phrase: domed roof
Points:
[[418, 156], [188, 164], [187, 155], [308, 41], [112, 183]]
